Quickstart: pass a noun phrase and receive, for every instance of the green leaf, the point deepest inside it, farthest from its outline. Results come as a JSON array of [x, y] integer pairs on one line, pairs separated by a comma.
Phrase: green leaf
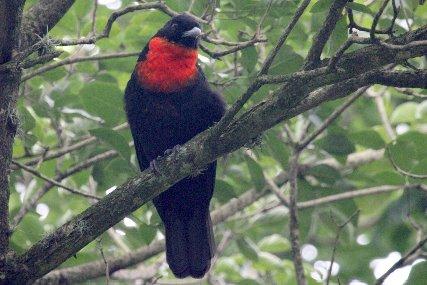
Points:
[[27, 120], [418, 274], [249, 58], [113, 139], [408, 151], [336, 143], [33, 228], [143, 234], [247, 281], [338, 37], [274, 243], [404, 113], [360, 8], [368, 138], [325, 173], [224, 192], [247, 248], [321, 6], [104, 100], [278, 149], [55, 74], [287, 61], [257, 175]]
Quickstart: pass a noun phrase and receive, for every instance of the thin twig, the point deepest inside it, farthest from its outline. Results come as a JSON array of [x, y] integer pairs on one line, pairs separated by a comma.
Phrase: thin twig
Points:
[[401, 261], [379, 102], [276, 190], [293, 224], [313, 58], [337, 237], [329, 120], [270, 58], [72, 60], [54, 182], [377, 18], [255, 85], [410, 92], [107, 267], [82, 142], [400, 170], [95, 8], [28, 205]]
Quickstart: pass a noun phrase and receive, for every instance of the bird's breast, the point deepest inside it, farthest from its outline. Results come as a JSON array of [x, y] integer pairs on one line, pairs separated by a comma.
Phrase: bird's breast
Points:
[[168, 67]]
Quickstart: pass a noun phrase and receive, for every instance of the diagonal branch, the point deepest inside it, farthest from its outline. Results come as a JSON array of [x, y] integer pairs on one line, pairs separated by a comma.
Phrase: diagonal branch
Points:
[[401, 261], [72, 60], [256, 84], [42, 17], [319, 42], [53, 182], [96, 269]]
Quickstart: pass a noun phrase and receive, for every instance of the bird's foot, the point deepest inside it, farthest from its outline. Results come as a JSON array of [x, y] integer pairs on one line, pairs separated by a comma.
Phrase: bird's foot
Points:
[[154, 167], [172, 150]]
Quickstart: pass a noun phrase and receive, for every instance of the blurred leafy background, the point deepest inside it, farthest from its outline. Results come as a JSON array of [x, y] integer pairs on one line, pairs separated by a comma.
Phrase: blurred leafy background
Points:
[[72, 103]]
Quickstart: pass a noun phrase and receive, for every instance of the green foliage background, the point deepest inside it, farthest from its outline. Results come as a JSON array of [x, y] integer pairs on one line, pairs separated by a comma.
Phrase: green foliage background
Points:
[[62, 106]]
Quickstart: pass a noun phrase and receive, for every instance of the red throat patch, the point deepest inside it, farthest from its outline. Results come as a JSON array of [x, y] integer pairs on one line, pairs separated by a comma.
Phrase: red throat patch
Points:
[[168, 67]]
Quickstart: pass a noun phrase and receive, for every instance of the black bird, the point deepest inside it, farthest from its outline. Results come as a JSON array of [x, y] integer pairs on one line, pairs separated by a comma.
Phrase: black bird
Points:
[[168, 101]]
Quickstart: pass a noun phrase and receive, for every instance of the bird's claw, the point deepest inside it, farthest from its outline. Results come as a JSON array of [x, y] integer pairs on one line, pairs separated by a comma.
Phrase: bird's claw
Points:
[[172, 150], [154, 167]]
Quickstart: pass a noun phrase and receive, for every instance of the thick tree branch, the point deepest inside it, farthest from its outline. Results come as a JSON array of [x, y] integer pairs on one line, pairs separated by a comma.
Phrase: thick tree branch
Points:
[[40, 18], [97, 268], [319, 42], [10, 23]]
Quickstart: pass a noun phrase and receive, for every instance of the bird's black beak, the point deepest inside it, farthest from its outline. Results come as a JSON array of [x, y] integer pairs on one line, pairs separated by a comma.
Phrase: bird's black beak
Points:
[[193, 33]]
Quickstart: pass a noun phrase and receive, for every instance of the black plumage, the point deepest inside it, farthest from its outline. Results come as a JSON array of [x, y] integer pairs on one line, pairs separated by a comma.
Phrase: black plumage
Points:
[[158, 122]]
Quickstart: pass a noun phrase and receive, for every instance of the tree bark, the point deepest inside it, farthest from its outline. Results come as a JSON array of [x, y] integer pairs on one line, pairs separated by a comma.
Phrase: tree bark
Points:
[[10, 19], [41, 18]]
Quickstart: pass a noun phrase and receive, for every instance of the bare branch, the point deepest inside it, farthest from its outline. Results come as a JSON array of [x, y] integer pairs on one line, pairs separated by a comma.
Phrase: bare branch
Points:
[[72, 60], [235, 49], [40, 18], [10, 25], [238, 105], [293, 224], [31, 203], [96, 269], [270, 58], [401, 261], [337, 237], [377, 18], [319, 41], [82, 142], [356, 193], [379, 102], [400, 170], [54, 182], [332, 117]]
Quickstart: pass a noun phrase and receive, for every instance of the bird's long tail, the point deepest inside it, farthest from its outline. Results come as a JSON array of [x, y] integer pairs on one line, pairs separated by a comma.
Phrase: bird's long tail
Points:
[[189, 245]]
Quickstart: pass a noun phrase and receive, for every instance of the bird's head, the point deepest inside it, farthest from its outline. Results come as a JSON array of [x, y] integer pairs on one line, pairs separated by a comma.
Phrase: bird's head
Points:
[[183, 30]]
